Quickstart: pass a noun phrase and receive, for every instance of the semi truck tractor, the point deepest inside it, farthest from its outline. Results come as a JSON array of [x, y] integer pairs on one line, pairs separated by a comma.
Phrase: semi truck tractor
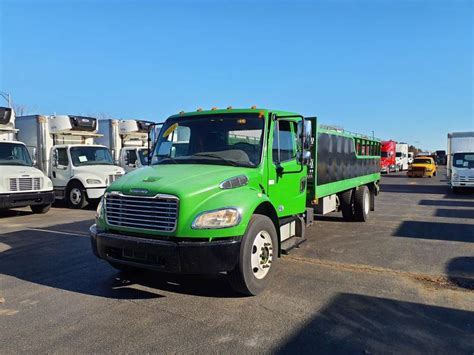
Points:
[[231, 191], [460, 160], [401, 156], [65, 151], [21, 184], [388, 161], [127, 141]]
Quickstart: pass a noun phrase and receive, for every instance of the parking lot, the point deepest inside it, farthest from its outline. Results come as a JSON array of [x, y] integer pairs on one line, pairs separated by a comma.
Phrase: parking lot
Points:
[[403, 281]]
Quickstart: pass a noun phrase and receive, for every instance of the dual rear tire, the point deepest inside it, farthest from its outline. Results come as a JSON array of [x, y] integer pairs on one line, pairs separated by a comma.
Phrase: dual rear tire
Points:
[[355, 204]]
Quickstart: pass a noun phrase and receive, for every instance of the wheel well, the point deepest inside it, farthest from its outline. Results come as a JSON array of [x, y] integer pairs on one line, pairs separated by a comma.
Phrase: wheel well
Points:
[[72, 182], [266, 208]]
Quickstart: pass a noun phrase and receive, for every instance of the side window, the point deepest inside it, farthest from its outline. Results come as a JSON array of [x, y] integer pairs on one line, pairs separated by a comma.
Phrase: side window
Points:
[[62, 157], [284, 146], [132, 156]]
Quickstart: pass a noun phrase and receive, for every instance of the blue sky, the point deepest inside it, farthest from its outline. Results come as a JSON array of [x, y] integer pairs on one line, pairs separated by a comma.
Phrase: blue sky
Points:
[[403, 69]]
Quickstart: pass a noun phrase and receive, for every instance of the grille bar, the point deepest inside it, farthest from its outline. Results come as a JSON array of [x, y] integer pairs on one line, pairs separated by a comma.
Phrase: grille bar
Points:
[[159, 213], [25, 184]]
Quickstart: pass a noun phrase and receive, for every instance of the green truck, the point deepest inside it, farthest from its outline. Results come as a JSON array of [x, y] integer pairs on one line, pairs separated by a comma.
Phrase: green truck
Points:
[[231, 190]]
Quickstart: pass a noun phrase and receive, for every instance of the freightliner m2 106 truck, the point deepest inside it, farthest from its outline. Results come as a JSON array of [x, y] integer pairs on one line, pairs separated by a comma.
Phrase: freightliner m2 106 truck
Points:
[[127, 141], [21, 184], [236, 189], [65, 150]]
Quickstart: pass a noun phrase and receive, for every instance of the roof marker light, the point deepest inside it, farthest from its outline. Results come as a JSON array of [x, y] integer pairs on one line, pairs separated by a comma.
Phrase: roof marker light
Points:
[[199, 109]]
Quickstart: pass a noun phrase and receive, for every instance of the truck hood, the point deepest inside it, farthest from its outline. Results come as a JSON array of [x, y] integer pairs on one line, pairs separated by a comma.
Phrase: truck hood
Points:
[[20, 171], [177, 179]]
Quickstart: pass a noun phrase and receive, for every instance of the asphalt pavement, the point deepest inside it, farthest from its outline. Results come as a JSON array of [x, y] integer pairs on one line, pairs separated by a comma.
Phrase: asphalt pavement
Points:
[[401, 282]]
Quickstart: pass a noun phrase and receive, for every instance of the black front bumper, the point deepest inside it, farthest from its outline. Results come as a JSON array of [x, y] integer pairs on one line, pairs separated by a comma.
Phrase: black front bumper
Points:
[[166, 255], [22, 199]]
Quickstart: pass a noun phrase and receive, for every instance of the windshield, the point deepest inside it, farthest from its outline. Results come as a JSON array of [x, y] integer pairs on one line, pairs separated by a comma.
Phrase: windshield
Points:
[[399, 155], [422, 161], [143, 154], [463, 160], [14, 154], [384, 154], [90, 156], [226, 139]]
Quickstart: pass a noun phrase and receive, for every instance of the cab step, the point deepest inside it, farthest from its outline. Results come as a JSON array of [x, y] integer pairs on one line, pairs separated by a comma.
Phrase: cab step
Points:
[[290, 244]]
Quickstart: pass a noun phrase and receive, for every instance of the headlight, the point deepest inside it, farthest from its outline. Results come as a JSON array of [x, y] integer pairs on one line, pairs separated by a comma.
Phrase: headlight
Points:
[[93, 181], [50, 183], [224, 218], [100, 207]]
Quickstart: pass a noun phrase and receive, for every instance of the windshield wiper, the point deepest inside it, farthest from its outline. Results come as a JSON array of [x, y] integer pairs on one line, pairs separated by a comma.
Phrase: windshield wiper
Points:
[[167, 159], [215, 156]]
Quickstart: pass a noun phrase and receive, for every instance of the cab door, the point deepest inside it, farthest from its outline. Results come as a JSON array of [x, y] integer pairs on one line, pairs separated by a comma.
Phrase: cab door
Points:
[[286, 176], [60, 168]]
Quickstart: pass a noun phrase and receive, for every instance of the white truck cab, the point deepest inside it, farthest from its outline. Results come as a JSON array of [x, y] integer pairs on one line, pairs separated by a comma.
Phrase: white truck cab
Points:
[[21, 184], [401, 156], [127, 141], [80, 170], [460, 160]]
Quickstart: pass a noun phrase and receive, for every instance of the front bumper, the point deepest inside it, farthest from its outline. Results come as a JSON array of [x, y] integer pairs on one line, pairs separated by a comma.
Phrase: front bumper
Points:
[[22, 199], [95, 192], [418, 173], [175, 256], [462, 183]]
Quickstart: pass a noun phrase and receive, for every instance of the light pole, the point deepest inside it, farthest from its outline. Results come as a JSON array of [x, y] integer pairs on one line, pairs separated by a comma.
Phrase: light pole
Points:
[[7, 97]]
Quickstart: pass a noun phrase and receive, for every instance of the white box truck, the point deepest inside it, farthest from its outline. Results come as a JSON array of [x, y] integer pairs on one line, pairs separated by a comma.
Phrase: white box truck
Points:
[[66, 151], [127, 141], [401, 156], [460, 160], [21, 184]]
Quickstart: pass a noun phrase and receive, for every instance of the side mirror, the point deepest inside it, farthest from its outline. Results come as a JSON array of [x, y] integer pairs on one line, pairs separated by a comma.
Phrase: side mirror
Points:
[[304, 133], [304, 159]]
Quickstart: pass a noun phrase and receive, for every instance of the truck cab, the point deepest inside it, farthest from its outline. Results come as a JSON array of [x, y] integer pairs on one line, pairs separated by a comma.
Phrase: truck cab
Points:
[[66, 151], [127, 141], [21, 184], [388, 161]]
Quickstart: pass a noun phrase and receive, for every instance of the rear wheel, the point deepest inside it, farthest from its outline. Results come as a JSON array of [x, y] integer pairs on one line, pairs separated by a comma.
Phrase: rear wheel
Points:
[[346, 199], [40, 209], [76, 196], [258, 254], [361, 204]]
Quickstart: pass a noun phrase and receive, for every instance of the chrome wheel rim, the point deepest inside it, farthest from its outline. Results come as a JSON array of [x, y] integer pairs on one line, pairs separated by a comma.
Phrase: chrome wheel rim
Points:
[[75, 196], [262, 254]]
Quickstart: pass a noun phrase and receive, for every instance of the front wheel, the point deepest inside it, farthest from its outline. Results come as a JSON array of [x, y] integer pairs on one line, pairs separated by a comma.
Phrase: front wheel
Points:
[[40, 209], [258, 254], [76, 196]]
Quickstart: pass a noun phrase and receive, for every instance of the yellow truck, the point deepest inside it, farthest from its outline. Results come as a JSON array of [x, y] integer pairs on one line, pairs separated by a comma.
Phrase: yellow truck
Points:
[[422, 166]]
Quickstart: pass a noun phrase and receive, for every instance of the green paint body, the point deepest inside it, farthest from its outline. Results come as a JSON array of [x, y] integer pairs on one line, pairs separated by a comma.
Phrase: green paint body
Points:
[[198, 190]]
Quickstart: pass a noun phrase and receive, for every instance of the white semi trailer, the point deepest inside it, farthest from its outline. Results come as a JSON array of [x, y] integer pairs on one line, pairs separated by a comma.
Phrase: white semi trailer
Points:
[[66, 151], [401, 156], [127, 141], [460, 160], [21, 184]]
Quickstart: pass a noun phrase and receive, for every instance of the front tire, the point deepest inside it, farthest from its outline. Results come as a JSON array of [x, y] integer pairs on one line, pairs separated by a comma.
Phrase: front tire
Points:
[[361, 204], [40, 209], [258, 255], [76, 196]]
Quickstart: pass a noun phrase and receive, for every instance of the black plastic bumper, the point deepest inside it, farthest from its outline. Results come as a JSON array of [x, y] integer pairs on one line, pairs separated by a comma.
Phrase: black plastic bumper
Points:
[[166, 255], [22, 199]]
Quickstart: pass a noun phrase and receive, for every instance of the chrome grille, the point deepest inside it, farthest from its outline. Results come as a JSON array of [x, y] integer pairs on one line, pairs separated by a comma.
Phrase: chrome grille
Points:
[[418, 168], [25, 184], [159, 213]]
